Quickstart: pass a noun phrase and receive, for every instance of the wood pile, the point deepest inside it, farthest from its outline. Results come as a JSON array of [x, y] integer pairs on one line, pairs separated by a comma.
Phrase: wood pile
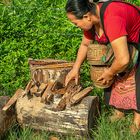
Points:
[[47, 81]]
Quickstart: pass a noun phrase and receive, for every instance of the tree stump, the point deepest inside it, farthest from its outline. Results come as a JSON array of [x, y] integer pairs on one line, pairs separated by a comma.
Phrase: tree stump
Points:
[[76, 120], [7, 118]]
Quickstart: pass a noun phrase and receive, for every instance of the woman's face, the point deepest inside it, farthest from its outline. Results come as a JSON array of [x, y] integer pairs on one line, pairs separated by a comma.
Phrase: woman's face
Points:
[[86, 23]]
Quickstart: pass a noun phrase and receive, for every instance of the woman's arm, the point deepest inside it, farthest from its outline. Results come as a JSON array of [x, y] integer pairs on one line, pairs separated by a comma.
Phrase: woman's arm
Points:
[[81, 55], [82, 52], [121, 54], [121, 60]]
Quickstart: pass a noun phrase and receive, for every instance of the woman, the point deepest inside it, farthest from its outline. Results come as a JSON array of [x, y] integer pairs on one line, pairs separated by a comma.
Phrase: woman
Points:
[[121, 25]]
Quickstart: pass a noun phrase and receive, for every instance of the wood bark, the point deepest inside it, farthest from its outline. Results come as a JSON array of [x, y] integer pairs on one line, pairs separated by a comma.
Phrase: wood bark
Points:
[[76, 120]]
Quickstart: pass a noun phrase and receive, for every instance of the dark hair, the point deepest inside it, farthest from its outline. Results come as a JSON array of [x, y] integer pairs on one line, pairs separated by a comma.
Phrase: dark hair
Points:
[[80, 7]]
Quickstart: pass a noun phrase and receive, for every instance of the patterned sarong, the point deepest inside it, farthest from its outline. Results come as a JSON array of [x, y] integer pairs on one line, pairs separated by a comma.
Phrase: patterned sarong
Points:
[[123, 94]]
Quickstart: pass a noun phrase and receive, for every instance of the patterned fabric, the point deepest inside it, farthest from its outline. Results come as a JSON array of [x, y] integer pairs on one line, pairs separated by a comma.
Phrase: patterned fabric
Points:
[[123, 94]]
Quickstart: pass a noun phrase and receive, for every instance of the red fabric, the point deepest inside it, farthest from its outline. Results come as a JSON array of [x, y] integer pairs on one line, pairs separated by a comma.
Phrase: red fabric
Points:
[[119, 20], [123, 94]]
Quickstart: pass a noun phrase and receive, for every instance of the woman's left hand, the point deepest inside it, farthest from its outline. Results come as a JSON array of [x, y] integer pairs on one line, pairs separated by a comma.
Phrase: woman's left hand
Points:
[[106, 77]]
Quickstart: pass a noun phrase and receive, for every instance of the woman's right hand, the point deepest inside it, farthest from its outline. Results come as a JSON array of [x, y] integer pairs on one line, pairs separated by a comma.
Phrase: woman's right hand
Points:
[[73, 74]]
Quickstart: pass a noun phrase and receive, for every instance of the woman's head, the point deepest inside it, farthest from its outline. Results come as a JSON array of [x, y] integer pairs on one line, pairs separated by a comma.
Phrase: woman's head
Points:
[[82, 13]]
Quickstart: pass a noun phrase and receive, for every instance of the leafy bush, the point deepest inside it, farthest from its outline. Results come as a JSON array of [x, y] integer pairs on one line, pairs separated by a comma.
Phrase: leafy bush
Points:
[[33, 29]]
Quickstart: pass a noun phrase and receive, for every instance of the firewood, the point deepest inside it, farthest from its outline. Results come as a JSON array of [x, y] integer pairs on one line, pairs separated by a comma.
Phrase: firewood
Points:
[[42, 87], [49, 98], [20, 92], [62, 103], [34, 89], [47, 91], [35, 78], [40, 90], [45, 75], [77, 89], [79, 96], [53, 66], [39, 76], [69, 90], [71, 94], [29, 86], [70, 86], [60, 91], [45, 61]]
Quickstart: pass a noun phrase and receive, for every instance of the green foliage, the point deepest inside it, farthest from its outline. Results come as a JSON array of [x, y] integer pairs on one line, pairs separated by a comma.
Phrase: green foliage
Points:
[[33, 29], [136, 2]]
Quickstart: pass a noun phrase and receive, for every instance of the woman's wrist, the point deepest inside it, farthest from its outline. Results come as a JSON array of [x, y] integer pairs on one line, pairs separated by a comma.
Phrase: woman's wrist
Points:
[[76, 66], [111, 72]]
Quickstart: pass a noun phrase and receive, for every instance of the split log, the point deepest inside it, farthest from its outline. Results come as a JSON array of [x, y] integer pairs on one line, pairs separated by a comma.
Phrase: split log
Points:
[[61, 91], [62, 103], [29, 86], [47, 95], [70, 91], [13, 99], [34, 90], [75, 120], [79, 96], [41, 89], [7, 118]]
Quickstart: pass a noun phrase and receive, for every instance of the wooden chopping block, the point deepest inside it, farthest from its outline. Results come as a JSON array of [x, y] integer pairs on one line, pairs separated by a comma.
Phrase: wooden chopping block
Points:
[[76, 120]]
